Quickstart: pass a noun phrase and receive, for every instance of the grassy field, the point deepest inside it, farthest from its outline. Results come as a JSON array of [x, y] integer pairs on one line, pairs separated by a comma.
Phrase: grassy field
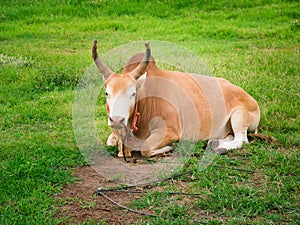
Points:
[[45, 50]]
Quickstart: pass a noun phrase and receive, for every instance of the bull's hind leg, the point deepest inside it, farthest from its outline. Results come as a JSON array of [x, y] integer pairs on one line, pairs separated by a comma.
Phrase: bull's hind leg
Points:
[[239, 123]]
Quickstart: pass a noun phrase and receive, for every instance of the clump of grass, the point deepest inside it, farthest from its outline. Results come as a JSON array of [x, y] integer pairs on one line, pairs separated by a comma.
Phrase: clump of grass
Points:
[[56, 79]]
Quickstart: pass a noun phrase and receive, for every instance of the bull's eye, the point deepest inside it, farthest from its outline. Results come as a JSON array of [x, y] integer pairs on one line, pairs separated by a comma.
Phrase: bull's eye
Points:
[[107, 95], [133, 94]]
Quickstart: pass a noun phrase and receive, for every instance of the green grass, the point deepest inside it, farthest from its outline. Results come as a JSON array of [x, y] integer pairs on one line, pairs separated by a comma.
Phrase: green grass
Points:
[[45, 50]]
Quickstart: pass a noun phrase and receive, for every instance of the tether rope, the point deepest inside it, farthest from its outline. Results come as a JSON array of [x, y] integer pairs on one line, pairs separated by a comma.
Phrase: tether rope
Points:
[[125, 189]]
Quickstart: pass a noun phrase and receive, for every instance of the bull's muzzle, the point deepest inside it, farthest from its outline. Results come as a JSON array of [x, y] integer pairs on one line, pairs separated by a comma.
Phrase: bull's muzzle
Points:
[[116, 122]]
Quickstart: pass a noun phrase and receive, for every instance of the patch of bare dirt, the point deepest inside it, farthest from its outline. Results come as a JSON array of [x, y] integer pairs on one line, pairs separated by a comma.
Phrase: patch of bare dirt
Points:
[[79, 203]]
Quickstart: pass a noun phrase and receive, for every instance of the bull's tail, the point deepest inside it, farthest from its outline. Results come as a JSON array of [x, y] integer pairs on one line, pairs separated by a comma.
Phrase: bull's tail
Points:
[[267, 138]]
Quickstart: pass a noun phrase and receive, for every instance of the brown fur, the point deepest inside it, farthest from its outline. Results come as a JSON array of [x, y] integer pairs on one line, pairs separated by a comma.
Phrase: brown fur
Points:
[[119, 82]]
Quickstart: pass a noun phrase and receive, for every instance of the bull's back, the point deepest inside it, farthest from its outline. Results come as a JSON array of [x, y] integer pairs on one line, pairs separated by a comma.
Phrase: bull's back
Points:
[[204, 103]]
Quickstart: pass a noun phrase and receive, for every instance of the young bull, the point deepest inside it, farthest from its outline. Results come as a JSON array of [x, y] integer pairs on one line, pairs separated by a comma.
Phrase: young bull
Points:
[[149, 108]]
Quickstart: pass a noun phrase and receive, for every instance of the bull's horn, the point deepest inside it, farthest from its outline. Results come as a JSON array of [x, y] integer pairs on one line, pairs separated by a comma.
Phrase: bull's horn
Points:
[[104, 69], [140, 69]]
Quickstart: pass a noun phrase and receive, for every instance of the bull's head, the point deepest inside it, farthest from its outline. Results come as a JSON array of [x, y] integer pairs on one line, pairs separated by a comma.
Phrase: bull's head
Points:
[[121, 89]]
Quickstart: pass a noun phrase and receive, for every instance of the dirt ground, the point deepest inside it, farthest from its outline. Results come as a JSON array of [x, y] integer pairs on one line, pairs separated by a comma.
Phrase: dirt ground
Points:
[[79, 203]]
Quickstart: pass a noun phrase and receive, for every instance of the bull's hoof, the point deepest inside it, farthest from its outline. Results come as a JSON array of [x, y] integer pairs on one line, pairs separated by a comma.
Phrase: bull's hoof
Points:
[[222, 151], [120, 154], [213, 144]]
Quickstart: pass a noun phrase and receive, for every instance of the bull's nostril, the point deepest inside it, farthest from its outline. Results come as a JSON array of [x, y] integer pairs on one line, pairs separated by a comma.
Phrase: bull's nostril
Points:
[[116, 122]]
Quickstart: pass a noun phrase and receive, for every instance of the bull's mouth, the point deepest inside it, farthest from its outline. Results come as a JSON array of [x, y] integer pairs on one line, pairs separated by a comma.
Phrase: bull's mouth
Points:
[[119, 125], [124, 133]]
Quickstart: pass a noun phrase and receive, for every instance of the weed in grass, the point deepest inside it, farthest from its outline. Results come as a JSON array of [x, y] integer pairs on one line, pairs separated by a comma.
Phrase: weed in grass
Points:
[[87, 205], [8, 60]]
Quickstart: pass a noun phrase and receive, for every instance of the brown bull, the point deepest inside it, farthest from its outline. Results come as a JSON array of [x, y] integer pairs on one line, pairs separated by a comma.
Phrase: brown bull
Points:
[[149, 108]]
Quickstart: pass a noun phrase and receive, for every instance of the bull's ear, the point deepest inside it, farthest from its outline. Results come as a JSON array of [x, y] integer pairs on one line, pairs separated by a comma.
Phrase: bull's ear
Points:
[[141, 80]]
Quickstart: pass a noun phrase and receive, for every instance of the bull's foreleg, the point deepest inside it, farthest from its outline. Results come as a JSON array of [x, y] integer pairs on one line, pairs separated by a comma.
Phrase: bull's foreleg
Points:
[[127, 150], [157, 142], [155, 145], [156, 151], [112, 140]]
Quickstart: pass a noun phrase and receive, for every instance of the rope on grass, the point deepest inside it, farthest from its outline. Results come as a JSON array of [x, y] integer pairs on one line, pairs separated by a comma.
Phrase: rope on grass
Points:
[[124, 189], [124, 207], [100, 191]]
